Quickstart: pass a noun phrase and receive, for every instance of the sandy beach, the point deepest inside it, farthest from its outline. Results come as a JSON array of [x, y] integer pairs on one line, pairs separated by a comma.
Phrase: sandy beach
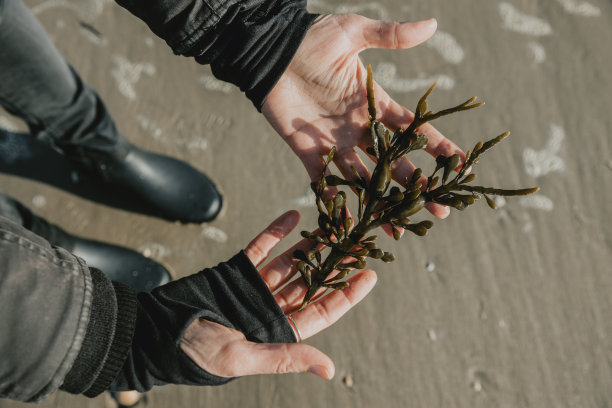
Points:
[[511, 308]]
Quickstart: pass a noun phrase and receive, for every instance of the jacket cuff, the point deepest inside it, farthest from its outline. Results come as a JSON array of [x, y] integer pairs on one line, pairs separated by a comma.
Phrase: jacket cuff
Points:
[[259, 49], [249, 43], [122, 341], [107, 340], [232, 294], [98, 337], [281, 54]]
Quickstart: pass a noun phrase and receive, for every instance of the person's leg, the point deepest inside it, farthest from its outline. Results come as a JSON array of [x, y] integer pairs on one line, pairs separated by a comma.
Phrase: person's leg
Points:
[[38, 85], [118, 263]]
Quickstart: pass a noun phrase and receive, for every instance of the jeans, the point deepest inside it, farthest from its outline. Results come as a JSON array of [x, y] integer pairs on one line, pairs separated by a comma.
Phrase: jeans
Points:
[[16, 212], [40, 87]]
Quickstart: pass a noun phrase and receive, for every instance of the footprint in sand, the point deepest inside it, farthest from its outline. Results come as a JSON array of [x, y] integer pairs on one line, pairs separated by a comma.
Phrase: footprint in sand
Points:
[[88, 10], [127, 74], [580, 8], [211, 83], [150, 127], [304, 201], [537, 202], [214, 234], [538, 163], [447, 46], [537, 52], [515, 20], [386, 75]]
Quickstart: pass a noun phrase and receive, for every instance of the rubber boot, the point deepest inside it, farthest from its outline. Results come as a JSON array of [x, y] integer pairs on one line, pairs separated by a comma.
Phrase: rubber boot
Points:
[[120, 264]]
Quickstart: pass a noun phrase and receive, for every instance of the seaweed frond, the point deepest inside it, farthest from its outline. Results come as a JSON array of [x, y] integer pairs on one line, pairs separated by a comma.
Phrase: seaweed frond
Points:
[[380, 204]]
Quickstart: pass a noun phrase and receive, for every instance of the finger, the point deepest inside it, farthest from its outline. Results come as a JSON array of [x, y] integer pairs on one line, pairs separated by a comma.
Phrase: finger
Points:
[[321, 314], [314, 165], [388, 228], [260, 247], [282, 268], [403, 168], [438, 210], [290, 297], [393, 35], [437, 144], [280, 358], [352, 159], [347, 159]]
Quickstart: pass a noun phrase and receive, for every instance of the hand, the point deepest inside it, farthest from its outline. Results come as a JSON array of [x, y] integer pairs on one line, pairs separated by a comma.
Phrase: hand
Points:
[[320, 101], [225, 352]]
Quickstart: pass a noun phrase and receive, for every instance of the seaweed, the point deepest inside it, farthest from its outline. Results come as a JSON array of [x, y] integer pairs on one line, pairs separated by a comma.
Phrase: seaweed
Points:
[[380, 203]]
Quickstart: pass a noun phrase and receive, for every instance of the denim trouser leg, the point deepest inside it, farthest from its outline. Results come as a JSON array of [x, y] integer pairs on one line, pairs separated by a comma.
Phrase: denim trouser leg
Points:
[[38, 85], [19, 214]]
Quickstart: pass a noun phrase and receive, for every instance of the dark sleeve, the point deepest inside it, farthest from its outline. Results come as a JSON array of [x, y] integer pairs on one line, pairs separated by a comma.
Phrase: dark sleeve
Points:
[[133, 343], [108, 339], [232, 294], [45, 303], [64, 324], [249, 43]]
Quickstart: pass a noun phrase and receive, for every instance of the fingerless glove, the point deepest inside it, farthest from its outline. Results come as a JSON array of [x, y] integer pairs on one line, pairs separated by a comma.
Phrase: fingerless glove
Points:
[[232, 294]]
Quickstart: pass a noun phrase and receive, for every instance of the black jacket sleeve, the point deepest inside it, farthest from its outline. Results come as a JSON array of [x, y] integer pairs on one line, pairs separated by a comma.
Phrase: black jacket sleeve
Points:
[[249, 43], [232, 294]]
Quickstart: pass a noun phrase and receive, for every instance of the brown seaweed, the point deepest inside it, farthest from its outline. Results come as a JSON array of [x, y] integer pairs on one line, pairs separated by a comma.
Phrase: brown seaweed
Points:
[[380, 204]]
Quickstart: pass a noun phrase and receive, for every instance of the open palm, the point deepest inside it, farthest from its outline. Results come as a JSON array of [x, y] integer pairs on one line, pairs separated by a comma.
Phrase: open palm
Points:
[[320, 101], [226, 352]]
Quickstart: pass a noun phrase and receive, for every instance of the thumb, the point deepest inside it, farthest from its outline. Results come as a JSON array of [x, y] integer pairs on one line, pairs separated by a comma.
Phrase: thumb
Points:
[[281, 358], [393, 35]]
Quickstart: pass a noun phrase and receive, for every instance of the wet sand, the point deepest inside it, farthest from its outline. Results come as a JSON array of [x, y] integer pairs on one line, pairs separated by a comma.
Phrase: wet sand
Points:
[[504, 309]]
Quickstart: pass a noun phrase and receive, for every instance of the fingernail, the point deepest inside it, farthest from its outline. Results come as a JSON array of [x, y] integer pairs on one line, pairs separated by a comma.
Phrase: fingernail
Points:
[[319, 370], [401, 231]]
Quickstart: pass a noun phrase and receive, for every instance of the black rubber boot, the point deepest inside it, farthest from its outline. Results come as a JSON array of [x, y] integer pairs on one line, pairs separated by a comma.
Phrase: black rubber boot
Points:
[[120, 264], [156, 184]]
